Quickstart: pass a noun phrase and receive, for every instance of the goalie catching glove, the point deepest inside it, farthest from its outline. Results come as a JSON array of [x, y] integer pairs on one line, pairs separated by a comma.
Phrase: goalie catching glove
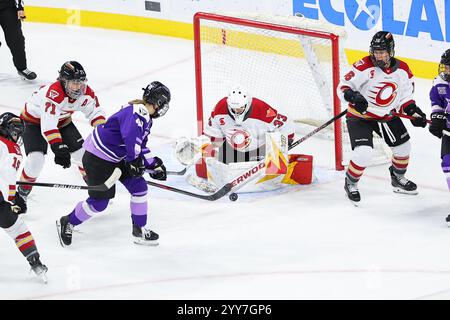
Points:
[[189, 150]]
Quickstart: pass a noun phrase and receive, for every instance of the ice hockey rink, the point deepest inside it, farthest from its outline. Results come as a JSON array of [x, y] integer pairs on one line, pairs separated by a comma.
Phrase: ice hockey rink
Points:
[[304, 242]]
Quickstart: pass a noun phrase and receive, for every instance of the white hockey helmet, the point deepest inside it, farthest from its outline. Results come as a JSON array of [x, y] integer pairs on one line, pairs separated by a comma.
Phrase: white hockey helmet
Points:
[[239, 102]]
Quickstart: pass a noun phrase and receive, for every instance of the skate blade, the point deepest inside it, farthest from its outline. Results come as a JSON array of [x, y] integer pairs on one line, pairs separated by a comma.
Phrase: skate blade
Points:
[[42, 277], [58, 229], [148, 243], [402, 191]]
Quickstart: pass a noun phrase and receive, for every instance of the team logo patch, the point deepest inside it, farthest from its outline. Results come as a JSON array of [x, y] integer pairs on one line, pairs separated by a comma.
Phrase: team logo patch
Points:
[[53, 94], [384, 94], [238, 138]]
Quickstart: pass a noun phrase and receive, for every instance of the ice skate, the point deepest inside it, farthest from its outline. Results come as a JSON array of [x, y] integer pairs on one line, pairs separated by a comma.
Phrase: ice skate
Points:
[[351, 189], [27, 74], [402, 185], [39, 269], [144, 236], [65, 230]]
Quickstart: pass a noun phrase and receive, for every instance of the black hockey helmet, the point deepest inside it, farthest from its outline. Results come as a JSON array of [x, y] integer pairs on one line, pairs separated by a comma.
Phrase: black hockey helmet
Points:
[[73, 71], [158, 95], [11, 126], [382, 40], [445, 61]]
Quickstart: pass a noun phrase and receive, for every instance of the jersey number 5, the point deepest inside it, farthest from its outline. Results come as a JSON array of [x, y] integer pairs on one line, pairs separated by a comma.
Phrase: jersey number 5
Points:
[[51, 106]]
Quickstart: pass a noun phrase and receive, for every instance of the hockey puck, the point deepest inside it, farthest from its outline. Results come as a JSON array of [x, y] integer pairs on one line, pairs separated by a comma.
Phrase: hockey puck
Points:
[[233, 196]]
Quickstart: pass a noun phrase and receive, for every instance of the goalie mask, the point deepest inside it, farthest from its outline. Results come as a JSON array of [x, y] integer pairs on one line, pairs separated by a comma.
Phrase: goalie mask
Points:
[[157, 95], [444, 66], [381, 41], [73, 79], [239, 103], [11, 126]]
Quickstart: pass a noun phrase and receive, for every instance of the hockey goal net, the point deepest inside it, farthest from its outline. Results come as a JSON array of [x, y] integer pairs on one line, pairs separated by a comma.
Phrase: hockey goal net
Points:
[[292, 63]]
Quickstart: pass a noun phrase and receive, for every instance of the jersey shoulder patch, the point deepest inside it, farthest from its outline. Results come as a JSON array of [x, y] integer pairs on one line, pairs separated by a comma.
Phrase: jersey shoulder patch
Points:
[[141, 111], [55, 92], [404, 66], [262, 111], [363, 64], [10, 145], [221, 108]]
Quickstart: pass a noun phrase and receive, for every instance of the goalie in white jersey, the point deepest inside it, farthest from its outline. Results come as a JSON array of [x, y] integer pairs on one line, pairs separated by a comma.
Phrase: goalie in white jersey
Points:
[[238, 133], [11, 130], [48, 120], [377, 86]]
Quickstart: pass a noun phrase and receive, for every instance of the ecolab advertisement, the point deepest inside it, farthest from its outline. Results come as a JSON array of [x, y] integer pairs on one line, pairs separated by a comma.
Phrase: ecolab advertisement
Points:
[[421, 28]]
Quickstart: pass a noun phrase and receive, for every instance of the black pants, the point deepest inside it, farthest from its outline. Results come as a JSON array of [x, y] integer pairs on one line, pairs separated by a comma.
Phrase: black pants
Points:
[[12, 27], [7, 216], [361, 131], [34, 141]]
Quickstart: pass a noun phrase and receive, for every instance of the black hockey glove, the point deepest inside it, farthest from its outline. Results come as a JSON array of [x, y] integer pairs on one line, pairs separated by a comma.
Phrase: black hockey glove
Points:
[[19, 205], [438, 122], [62, 154], [136, 167], [357, 99], [157, 169], [420, 118]]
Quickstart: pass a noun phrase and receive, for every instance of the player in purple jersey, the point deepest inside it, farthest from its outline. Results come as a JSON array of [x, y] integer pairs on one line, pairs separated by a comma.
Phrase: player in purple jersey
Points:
[[440, 125], [121, 143]]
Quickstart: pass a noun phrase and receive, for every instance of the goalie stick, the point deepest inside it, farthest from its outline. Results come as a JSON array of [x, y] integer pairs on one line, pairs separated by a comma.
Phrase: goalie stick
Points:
[[247, 176], [101, 187]]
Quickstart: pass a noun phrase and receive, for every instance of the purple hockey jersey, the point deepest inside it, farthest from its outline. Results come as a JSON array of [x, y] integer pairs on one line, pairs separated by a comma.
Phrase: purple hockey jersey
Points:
[[123, 136], [440, 97]]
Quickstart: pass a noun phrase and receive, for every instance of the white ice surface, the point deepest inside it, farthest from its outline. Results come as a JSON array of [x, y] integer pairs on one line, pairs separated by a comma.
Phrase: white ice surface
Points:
[[305, 242]]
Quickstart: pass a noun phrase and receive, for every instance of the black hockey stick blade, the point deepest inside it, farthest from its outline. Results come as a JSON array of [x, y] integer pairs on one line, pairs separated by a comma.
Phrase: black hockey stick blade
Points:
[[211, 197], [101, 187], [177, 173]]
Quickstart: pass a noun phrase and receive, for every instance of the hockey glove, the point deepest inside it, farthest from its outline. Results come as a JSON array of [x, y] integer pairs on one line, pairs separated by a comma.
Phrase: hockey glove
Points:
[[438, 122], [62, 154], [157, 170], [136, 167], [357, 99], [19, 205], [420, 118]]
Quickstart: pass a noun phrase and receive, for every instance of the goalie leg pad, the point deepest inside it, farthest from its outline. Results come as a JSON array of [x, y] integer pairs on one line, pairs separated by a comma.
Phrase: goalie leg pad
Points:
[[300, 169]]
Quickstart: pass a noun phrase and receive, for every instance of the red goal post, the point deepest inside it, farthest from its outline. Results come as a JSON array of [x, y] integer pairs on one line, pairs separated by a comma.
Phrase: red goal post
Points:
[[222, 28]]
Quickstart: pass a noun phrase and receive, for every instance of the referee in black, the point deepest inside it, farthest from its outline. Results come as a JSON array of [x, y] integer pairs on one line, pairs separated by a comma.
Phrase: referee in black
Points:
[[11, 15]]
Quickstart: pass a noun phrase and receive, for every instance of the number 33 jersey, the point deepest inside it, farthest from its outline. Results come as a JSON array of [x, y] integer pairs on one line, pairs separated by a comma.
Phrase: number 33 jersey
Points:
[[384, 89], [10, 159], [250, 134]]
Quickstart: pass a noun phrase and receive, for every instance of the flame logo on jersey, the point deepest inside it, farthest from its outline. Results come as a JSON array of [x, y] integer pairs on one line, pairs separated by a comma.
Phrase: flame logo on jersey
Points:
[[239, 139], [386, 93]]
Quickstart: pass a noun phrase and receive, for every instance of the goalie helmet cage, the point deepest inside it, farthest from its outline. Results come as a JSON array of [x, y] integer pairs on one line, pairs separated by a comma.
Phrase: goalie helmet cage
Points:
[[291, 62]]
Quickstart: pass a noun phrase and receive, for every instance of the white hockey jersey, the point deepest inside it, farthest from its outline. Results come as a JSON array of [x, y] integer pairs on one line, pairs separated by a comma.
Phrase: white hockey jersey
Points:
[[50, 107], [10, 159], [249, 135], [384, 89]]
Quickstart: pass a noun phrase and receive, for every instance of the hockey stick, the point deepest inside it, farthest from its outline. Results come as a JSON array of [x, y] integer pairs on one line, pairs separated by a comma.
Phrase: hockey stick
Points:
[[401, 115], [247, 176], [212, 197], [101, 187], [177, 173]]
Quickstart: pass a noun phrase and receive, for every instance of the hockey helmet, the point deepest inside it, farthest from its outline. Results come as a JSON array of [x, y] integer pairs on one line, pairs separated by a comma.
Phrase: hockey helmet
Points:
[[73, 79], [11, 126], [445, 61], [382, 40], [239, 103], [158, 95]]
